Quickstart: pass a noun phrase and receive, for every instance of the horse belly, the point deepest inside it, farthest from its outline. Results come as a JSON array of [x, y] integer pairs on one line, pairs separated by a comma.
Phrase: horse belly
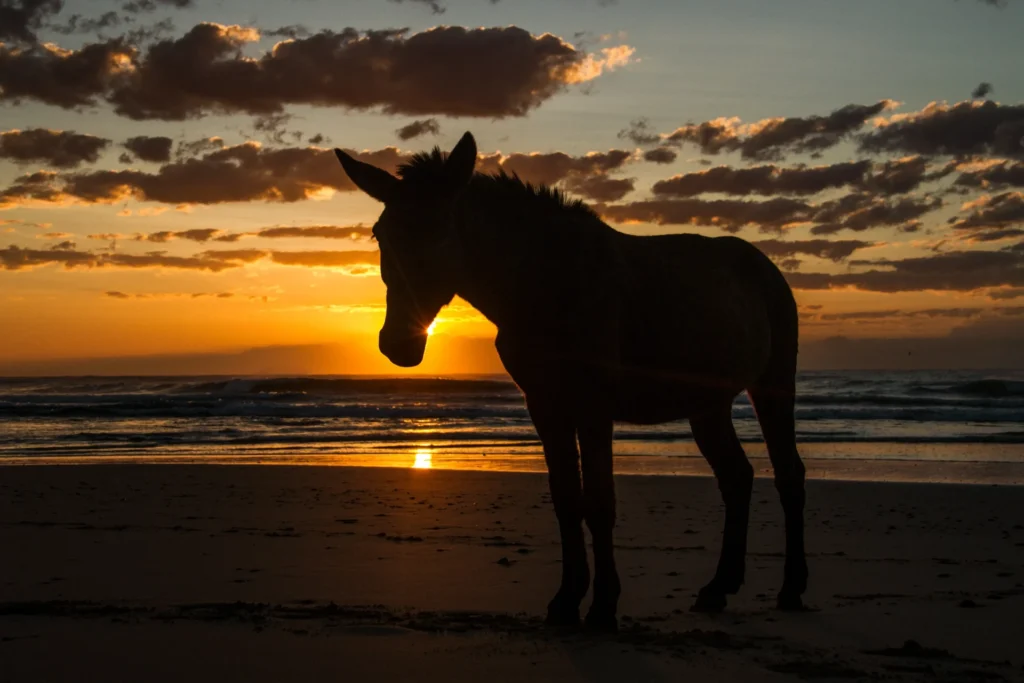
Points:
[[641, 399]]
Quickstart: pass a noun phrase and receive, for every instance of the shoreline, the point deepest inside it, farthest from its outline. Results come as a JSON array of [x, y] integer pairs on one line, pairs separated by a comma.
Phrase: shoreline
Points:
[[850, 462]]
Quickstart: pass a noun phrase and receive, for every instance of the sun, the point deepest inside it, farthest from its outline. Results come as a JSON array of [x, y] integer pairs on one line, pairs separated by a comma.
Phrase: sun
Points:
[[431, 327]]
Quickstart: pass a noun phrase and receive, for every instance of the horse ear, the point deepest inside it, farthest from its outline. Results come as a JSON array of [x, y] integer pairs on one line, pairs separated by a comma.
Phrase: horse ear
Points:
[[374, 181], [461, 161]]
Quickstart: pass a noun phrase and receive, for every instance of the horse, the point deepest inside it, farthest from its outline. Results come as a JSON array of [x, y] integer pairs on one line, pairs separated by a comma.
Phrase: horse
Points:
[[597, 326]]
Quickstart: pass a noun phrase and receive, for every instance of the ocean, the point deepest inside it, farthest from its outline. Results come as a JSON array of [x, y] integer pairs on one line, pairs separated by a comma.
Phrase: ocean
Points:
[[934, 425]]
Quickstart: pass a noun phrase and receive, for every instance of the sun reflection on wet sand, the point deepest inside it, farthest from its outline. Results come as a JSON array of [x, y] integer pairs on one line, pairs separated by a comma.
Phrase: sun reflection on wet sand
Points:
[[422, 460]]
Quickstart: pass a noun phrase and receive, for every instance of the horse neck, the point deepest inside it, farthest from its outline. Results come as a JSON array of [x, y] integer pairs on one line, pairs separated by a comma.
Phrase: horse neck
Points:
[[495, 241]]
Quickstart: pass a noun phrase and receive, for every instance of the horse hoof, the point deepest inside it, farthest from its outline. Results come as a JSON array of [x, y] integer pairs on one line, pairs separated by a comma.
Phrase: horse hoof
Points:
[[708, 602], [790, 602], [601, 623], [561, 616]]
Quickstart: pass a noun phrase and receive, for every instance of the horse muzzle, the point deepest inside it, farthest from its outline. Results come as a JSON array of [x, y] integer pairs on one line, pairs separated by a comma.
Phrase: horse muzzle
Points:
[[405, 351]]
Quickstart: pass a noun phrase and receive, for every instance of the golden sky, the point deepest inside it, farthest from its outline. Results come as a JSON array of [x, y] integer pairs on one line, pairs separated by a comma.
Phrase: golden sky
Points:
[[167, 185]]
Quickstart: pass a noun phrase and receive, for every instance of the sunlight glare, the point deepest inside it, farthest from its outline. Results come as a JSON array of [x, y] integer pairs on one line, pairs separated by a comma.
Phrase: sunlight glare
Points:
[[423, 460], [431, 327]]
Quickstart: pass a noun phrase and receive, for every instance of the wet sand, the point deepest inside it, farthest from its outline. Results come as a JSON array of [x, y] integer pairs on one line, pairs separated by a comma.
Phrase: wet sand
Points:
[[170, 573]]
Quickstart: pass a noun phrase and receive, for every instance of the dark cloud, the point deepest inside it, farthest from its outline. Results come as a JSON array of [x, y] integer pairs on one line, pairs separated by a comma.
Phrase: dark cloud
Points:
[[764, 180], [249, 172], [857, 211], [863, 211], [774, 138], [728, 214], [76, 23], [19, 19], [142, 6], [966, 128], [349, 232], [660, 155], [147, 148], [418, 128], [350, 262], [585, 175], [640, 132], [501, 72], [998, 176], [996, 217], [898, 315], [549, 168], [15, 258], [435, 6], [982, 90], [291, 31], [169, 295], [202, 146], [241, 173], [59, 148], [194, 235], [949, 271], [833, 250], [599, 188], [63, 78]]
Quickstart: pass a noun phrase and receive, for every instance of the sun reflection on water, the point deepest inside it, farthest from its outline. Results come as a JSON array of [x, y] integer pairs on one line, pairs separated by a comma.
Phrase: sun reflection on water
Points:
[[422, 460]]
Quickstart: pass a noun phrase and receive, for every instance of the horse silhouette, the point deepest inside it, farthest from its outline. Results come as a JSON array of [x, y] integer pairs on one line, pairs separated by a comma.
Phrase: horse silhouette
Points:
[[597, 326]]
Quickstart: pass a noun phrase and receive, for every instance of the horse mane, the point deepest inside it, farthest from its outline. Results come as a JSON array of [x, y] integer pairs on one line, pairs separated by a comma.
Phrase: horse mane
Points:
[[427, 169]]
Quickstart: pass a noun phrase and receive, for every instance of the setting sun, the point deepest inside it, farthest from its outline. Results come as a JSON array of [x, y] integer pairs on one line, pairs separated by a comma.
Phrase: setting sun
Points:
[[431, 327]]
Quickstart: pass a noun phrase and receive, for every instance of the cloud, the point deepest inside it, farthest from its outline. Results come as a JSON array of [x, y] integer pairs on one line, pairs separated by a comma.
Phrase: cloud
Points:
[[982, 90], [19, 19], [640, 132], [863, 211], [418, 128], [501, 72], [76, 23], [833, 250], [242, 173], [16, 258], [965, 128], [585, 175], [728, 214], [660, 155], [141, 6], [250, 172], [599, 188], [355, 263], [993, 176], [948, 271], [63, 78], [58, 148], [114, 294], [994, 217], [350, 232], [434, 5], [149, 148], [898, 315], [773, 138], [290, 31], [194, 235], [764, 180], [349, 262], [857, 211]]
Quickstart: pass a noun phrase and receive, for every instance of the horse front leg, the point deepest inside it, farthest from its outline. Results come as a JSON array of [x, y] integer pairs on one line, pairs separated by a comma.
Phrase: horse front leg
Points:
[[595, 437], [558, 436]]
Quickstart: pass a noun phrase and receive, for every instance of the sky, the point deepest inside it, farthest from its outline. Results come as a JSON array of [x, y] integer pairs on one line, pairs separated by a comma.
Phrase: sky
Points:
[[169, 200]]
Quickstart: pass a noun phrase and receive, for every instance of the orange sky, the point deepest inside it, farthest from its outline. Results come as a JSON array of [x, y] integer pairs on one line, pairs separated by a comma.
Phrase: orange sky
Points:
[[138, 220]]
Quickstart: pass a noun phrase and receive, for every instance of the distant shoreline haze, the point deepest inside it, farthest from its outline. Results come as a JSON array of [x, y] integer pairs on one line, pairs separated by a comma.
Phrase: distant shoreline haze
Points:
[[453, 356]]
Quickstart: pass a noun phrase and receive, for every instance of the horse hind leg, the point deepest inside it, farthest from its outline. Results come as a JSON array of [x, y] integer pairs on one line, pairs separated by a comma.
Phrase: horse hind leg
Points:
[[773, 399], [716, 438]]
